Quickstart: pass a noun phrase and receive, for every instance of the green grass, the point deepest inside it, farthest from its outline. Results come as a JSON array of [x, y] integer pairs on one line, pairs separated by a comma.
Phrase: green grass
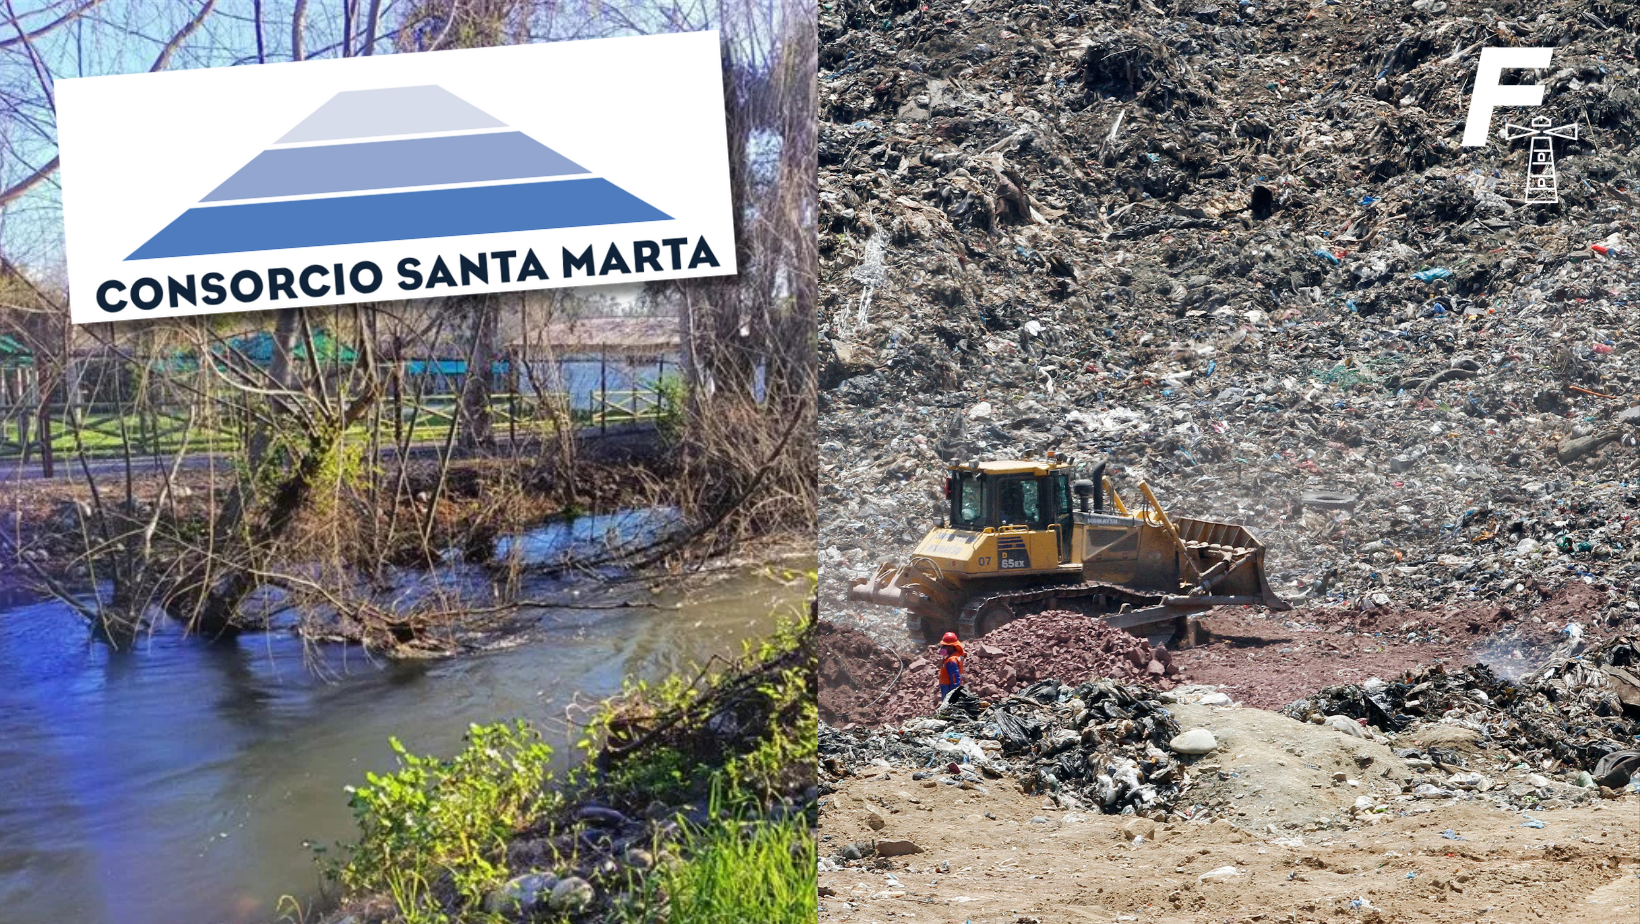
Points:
[[763, 872], [100, 433], [732, 870]]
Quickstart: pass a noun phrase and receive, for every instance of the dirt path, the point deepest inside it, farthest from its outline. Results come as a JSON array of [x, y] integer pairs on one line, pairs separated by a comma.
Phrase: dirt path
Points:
[[1271, 659], [992, 855]]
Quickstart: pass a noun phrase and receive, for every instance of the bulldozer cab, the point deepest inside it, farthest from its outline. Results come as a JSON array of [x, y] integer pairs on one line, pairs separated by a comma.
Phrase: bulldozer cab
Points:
[[1019, 502], [1028, 496]]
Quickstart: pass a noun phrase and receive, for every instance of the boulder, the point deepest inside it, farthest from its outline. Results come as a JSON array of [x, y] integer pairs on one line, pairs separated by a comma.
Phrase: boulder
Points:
[[1139, 828], [1346, 725], [1194, 741], [521, 895], [896, 848], [570, 895]]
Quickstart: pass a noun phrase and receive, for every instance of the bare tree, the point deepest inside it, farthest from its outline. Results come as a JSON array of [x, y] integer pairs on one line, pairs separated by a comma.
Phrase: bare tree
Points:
[[316, 493]]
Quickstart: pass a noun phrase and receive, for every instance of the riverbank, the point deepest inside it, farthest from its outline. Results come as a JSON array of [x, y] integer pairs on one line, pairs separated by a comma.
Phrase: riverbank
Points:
[[695, 802], [438, 569], [185, 779], [49, 523]]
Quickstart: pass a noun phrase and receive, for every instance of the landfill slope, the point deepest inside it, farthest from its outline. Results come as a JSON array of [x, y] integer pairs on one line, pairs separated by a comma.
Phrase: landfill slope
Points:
[[1238, 250]]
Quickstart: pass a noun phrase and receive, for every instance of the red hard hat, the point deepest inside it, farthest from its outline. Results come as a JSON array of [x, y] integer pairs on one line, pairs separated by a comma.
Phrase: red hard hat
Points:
[[950, 639]]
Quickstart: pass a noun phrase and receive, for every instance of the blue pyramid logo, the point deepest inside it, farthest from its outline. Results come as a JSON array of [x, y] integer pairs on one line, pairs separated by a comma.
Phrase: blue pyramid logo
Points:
[[355, 172]]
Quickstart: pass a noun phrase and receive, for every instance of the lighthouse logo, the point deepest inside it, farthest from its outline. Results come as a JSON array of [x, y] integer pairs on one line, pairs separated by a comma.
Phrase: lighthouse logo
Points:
[[395, 164]]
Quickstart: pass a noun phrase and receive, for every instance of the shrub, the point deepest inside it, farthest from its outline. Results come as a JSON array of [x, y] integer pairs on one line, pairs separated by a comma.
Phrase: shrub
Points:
[[444, 824]]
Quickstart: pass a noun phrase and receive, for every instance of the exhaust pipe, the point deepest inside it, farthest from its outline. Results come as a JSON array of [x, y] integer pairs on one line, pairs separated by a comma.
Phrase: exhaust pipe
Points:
[[1091, 489]]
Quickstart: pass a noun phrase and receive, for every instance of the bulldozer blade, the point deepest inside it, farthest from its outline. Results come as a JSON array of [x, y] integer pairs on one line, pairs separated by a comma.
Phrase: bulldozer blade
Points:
[[1158, 625], [1208, 601], [1146, 618]]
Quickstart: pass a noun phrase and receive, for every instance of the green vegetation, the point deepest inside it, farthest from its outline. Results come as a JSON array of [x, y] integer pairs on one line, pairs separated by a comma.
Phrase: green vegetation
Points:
[[653, 742], [672, 404], [435, 822], [764, 873], [742, 741]]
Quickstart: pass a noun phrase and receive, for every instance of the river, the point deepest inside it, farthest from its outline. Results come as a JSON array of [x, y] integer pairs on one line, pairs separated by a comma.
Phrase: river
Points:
[[182, 781]]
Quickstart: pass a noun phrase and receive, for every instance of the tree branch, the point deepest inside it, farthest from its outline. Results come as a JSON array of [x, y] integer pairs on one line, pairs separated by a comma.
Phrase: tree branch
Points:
[[24, 37], [261, 49], [40, 72], [371, 23], [176, 41]]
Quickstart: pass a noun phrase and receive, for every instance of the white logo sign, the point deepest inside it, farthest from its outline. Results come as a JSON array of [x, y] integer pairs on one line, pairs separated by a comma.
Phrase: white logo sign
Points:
[[1542, 186], [399, 176], [1488, 95]]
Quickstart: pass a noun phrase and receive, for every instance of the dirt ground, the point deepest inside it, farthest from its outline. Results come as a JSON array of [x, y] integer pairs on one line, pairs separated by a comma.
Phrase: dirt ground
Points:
[[1269, 659], [992, 855]]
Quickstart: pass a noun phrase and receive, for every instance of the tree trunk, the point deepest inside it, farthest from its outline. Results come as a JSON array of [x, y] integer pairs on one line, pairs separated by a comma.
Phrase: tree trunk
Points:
[[287, 327], [477, 431]]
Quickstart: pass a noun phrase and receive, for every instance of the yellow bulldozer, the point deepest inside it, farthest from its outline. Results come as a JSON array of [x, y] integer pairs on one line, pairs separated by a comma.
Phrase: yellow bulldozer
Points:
[[1015, 543]]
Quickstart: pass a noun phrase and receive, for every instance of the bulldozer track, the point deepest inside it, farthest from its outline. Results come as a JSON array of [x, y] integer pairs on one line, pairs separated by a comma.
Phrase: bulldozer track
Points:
[[968, 619]]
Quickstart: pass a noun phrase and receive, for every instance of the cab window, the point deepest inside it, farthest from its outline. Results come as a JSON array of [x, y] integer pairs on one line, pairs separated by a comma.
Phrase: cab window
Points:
[[968, 502], [1021, 503]]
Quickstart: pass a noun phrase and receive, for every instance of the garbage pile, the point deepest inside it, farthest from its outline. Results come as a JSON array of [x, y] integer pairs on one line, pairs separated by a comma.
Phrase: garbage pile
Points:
[[1100, 746], [1579, 715], [1240, 251]]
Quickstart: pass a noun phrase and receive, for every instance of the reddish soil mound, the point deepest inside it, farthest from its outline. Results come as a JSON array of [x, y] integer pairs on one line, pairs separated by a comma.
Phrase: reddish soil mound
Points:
[[1263, 659], [1263, 662], [853, 672], [1069, 647]]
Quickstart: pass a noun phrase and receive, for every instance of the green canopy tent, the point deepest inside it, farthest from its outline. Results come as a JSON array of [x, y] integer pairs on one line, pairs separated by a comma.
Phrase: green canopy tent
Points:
[[257, 346], [13, 355]]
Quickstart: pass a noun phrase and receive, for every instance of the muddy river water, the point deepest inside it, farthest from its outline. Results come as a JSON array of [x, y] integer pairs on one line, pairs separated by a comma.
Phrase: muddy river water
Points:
[[183, 781]]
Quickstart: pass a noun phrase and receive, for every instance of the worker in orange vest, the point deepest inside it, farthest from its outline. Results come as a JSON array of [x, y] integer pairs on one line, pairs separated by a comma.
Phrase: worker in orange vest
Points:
[[950, 674]]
